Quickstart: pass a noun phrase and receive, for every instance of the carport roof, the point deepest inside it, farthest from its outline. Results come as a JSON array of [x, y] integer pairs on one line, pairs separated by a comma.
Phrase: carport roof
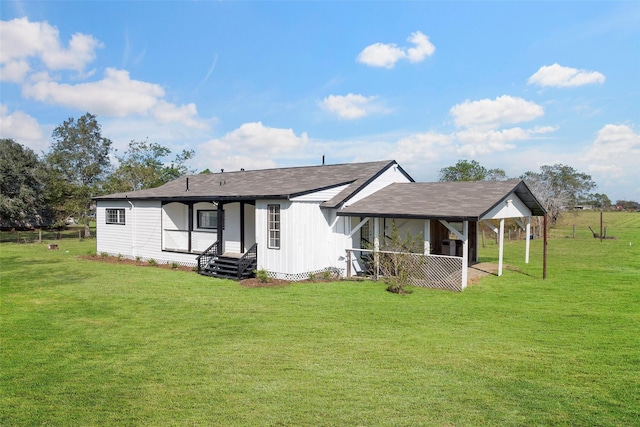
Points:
[[442, 200]]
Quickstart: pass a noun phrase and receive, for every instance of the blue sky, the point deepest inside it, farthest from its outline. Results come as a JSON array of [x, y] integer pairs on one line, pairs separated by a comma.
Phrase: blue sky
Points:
[[512, 85]]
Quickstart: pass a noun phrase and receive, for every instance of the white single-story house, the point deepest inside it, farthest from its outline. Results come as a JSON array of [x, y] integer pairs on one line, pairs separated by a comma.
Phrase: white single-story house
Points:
[[298, 221]]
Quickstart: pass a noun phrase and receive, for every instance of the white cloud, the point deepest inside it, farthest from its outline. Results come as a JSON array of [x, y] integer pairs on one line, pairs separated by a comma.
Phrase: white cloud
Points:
[[612, 159], [166, 112], [22, 128], [615, 144], [381, 55], [481, 122], [14, 71], [490, 114], [22, 39], [351, 106], [116, 95], [476, 141], [251, 146], [387, 54], [423, 48], [558, 76], [421, 147]]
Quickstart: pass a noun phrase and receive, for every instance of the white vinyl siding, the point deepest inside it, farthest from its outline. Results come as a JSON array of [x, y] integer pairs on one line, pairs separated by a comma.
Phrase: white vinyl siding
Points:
[[389, 176], [307, 242], [512, 207], [320, 196]]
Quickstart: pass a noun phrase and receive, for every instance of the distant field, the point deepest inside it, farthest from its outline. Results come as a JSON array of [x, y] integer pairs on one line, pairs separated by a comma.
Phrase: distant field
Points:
[[89, 343]]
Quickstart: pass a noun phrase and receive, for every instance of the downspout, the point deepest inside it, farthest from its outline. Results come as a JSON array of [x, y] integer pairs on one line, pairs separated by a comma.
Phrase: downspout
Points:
[[133, 228]]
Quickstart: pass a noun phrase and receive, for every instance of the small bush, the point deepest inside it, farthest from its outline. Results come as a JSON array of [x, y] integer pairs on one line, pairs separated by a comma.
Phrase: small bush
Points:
[[326, 275], [104, 254], [396, 288], [152, 261], [311, 277], [138, 259], [119, 257], [261, 275], [175, 265]]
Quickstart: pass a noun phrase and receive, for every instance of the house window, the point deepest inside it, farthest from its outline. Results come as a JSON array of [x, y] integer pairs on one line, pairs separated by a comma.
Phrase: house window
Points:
[[208, 219], [115, 216], [273, 224]]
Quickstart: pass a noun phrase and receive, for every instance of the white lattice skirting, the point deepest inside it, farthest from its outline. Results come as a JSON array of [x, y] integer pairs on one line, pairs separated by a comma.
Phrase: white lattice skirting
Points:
[[296, 277]]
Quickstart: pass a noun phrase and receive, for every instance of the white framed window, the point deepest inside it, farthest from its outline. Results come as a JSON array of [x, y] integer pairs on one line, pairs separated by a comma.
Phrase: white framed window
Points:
[[207, 219], [114, 216], [273, 225]]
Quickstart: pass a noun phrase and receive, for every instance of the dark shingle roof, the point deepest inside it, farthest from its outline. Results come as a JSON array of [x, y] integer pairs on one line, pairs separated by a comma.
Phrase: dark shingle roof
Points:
[[263, 184], [441, 200]]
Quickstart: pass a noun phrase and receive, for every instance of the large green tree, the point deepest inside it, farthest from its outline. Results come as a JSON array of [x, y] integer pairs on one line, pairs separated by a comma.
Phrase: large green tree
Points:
[[466, 170], [22, 187], [144, 165], [559, 187], [79, 162]]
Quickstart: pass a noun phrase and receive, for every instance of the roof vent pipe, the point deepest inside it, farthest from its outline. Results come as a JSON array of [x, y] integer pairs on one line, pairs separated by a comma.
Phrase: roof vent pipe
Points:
[[187, 185], [323, 160]]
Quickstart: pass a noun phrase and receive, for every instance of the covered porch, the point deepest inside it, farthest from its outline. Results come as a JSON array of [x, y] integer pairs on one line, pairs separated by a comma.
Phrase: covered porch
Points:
[[446, 217], [220, 232]]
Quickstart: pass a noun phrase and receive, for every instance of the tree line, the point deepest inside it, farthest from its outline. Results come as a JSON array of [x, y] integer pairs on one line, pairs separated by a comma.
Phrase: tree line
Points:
[[51, 189], [48, 190], [558, 187]]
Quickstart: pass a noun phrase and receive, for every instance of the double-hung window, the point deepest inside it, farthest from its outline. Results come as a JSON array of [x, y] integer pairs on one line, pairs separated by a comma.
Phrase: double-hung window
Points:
[[273, 224], [208, 219], [114, 216]]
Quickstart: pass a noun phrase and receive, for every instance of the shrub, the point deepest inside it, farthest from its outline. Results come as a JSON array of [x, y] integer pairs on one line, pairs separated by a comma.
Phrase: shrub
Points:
[[400, 258], [174, 265], [261, 275], [152, 261], [326, 275], [311, 277], [104, 254]]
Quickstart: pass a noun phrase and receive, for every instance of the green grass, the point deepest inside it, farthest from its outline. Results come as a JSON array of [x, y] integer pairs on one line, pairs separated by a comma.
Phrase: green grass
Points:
[[90, 343]]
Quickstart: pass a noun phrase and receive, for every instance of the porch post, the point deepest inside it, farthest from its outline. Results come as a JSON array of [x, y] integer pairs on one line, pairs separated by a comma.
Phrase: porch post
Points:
[[427, 236], [190, 226], [501, 246], [242, 249], [465, 252], [528, 240], [376, 246], [220, 219]]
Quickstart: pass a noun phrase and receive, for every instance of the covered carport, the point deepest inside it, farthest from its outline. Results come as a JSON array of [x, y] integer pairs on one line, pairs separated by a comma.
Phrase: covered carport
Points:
[[451, 213]]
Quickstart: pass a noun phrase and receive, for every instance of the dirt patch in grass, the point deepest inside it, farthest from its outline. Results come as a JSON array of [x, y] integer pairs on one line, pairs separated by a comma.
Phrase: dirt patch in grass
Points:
[[127, 261], [257, 283]]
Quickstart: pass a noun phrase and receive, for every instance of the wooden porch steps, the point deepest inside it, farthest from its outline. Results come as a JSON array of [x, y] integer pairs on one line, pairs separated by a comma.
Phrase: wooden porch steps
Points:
[[226, 267]]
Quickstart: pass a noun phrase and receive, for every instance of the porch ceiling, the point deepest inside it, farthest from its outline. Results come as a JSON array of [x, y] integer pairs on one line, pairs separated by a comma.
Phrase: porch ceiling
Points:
[[442, 200]]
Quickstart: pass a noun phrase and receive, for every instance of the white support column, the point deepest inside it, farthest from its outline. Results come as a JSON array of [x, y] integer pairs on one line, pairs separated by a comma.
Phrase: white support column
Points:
[[528, 240], [465, 252], [501, 247], [376, 245], [427, 236]]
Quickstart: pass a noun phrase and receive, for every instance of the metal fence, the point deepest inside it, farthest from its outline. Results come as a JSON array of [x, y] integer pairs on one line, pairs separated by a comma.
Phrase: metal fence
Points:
[[32, 236], [427, 271]]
